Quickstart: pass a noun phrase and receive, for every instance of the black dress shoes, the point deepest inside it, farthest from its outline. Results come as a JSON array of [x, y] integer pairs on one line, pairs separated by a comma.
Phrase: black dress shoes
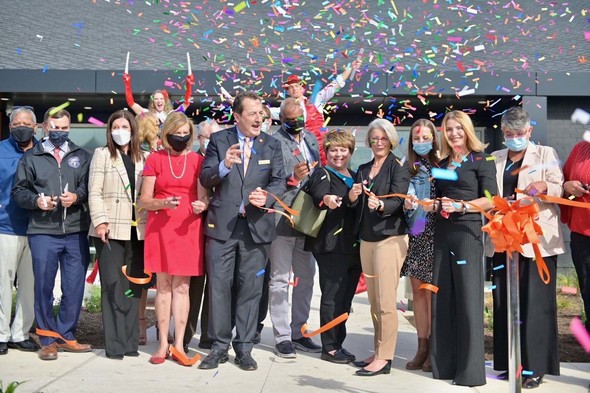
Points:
[[366, 373], [26, 345], [3, 348], [337, 357], [532, 382], [360, 363], [349, 355], [213, 360], [246, 362]]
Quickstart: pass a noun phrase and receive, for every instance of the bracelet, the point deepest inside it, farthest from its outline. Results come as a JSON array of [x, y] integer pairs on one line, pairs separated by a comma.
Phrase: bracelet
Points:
[[381, 204]]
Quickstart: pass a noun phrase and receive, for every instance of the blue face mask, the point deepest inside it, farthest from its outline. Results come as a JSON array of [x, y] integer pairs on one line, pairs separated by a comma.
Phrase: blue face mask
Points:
[[516, 144], [422, 149], [58, 138]]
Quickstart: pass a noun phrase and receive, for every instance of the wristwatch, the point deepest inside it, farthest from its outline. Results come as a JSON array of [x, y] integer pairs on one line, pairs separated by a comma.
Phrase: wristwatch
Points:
[[381, 205], [464, 208]]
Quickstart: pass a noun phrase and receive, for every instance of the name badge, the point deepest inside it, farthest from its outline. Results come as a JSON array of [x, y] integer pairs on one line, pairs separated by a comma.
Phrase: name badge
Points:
[[263, 162]]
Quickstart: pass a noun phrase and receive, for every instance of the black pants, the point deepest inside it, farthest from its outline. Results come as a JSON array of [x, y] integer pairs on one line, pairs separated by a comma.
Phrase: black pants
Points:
[[235, 265], [539, 350], [197, 296], [339, 276], [580, 246], [457, 338], [120, 306]]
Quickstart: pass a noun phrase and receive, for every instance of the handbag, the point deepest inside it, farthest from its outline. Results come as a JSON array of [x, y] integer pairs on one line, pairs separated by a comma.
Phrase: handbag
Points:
[[310, 218]]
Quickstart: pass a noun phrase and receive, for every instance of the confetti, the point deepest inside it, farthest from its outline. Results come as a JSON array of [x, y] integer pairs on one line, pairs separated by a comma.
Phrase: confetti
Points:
[[95, 121], [444, 174], [59, 108], [579, 331], [429, 287], [462, 262], [569, 290], [260, 273]]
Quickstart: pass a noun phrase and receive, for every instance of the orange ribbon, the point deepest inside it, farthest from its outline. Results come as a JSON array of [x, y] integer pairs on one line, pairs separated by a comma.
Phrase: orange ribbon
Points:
[[324, 328], [49, 333], [429, 287], [283, 204], [514, 224], [557, 200], [181, 358], [136, 280]]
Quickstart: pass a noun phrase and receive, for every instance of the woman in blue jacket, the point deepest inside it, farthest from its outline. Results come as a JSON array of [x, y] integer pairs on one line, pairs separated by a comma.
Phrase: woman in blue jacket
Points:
[[422, 156]]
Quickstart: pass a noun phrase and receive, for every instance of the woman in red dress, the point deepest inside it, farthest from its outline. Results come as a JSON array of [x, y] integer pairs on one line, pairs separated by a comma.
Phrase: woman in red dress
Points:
[[174, 245]]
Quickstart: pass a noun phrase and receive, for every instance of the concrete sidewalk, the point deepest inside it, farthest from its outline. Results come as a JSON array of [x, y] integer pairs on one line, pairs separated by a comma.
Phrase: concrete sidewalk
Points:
[[93, 372]]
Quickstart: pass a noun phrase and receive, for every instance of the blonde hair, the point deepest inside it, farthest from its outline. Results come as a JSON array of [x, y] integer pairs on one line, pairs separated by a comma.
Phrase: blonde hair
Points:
[[173, 122], [338, 138], [387, 127], [471, 140], [147, 124], [167, 103]]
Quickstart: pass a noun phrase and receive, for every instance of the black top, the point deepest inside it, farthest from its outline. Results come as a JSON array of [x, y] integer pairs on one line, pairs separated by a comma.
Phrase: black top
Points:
[[337, 234], [510, 178], [393, 178], [475, 175]]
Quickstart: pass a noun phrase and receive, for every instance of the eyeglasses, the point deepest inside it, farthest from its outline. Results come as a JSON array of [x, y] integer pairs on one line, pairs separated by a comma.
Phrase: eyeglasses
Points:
[[377, 140], [516, 134], [24, 107]]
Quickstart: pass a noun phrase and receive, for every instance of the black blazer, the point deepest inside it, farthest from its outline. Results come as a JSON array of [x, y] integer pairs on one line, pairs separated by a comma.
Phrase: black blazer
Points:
[[337, 233], [393, 178], [265, 170]]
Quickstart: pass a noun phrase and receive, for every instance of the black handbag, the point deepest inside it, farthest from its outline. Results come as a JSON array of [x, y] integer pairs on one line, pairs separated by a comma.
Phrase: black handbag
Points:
[[310, 218]]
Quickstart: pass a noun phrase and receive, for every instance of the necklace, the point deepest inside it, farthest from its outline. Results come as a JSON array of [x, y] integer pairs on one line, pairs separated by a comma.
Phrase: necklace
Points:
[[172, 171]]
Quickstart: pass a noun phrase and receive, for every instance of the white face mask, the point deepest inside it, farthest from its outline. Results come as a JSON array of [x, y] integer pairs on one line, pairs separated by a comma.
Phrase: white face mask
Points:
[[264, 127], [121, 136]]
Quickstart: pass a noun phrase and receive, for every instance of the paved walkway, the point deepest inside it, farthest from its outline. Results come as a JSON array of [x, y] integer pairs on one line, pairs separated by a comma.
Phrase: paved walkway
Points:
[[93, 372]]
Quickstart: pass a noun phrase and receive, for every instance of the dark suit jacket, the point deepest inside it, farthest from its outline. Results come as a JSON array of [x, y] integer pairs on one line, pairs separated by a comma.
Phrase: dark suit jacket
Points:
[[265, 170], [291, 157], [393, 178]]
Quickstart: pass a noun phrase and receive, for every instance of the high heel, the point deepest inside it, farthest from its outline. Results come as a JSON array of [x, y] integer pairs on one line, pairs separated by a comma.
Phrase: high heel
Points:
[[142, 332], [386, 369]]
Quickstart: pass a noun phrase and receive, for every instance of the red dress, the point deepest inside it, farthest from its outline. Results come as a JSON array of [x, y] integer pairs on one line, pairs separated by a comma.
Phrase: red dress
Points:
[[174, 239]]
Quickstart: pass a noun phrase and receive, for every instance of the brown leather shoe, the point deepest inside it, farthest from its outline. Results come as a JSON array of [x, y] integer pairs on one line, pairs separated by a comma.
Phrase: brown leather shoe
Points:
[[48, 352], [75, 347]]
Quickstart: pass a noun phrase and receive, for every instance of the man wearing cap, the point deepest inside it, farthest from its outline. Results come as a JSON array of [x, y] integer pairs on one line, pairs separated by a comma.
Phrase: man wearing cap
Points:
[[15, 254], [313, 111]]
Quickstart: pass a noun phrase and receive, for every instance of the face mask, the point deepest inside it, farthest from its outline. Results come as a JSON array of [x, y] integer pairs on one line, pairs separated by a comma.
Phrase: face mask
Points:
[[121, 136], [23, 134], [516, 144], [294, 127], [58, 138], [178, 143], [264, 127], [423, 148]]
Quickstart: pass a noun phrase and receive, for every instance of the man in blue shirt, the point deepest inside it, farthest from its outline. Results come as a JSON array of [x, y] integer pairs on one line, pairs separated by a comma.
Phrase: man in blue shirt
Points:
[[15, 255]]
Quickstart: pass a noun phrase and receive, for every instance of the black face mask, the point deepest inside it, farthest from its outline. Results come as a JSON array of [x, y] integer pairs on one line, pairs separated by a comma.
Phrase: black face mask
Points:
[[23, 134], [58, 138], [178, 143], [294, 126]]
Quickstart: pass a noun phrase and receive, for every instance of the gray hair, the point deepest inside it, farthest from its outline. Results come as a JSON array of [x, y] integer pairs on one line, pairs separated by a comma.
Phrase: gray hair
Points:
[[515, 119], [387, 127], [211, 122], [23, 109], [288, 102]]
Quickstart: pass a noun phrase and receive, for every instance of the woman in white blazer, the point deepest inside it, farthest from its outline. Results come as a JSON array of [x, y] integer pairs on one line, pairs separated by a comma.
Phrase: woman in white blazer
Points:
[[536, 170], [118, 230]]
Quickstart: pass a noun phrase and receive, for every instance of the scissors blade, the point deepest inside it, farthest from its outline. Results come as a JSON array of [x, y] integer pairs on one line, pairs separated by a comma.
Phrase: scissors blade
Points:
[[106, 240]]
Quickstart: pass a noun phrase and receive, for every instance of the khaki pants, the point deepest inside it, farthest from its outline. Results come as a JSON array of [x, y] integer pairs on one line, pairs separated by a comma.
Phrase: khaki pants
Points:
[[382, 262]]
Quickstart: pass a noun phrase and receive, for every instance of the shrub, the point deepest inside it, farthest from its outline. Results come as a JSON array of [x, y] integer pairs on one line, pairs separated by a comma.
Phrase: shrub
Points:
[[10, 388], [92, 302]]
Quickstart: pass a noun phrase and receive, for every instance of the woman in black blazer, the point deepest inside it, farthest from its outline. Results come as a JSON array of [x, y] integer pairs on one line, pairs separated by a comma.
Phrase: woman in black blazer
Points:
[[334, 247], [384, 243]]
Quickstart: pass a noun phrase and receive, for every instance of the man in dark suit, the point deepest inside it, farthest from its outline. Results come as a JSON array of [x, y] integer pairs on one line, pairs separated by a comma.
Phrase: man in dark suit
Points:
[[243, 167], [300, 154]]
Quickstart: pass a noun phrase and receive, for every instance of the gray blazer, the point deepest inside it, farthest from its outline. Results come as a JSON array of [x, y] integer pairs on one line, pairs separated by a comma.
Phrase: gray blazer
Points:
[[265, 170], [291, 157]]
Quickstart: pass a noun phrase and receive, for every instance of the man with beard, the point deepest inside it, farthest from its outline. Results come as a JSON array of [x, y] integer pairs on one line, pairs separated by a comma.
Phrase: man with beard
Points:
[[52, 183], [15, 255]]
